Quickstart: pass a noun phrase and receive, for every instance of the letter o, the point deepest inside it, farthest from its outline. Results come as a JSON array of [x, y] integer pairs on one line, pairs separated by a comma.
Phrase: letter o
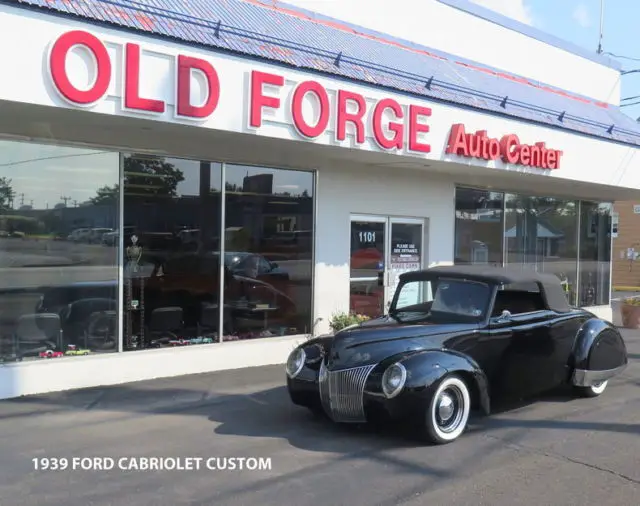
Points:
[[299, 94], [57, 67]]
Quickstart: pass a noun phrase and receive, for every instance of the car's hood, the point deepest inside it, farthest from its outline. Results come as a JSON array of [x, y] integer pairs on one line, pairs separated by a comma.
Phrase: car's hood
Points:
[[377, 339]]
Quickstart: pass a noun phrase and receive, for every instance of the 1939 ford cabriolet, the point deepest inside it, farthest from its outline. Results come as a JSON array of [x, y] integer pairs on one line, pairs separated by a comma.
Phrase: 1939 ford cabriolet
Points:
[[454, 338]]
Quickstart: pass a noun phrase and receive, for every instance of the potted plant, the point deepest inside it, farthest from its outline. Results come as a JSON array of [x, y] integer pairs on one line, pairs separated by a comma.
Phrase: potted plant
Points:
[[630, 312], [342, 320]]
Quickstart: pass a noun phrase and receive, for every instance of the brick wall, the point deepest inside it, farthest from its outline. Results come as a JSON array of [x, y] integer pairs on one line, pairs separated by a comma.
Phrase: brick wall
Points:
[[626, 273]]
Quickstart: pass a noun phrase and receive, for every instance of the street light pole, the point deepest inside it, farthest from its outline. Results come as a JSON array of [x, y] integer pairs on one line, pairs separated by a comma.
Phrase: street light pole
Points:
[[601, 26]]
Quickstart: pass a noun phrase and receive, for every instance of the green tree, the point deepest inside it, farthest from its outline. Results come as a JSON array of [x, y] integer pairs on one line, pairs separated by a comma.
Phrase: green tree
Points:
[[6, 193]]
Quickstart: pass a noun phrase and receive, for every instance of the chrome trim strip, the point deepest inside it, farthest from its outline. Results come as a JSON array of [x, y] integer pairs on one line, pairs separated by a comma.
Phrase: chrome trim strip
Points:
[[341, 393], [584, 378]]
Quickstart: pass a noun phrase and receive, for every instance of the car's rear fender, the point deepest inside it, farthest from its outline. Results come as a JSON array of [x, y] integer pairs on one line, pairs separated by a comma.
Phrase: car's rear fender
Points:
[[426, 368], [599, 353]]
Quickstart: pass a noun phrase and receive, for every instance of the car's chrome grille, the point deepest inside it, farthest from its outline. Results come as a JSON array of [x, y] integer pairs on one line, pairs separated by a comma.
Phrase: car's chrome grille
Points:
[[341, 392]]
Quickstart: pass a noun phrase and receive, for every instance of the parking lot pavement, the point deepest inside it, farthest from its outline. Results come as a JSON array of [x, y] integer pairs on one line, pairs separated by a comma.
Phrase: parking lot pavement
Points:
[[556, 451]]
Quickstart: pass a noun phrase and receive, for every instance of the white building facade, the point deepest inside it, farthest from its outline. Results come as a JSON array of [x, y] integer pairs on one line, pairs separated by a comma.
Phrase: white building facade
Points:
[[184, 193]]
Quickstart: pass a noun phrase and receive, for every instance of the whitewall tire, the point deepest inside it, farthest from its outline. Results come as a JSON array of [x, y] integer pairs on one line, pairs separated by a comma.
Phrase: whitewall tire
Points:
[[594, 390], [448, 412]]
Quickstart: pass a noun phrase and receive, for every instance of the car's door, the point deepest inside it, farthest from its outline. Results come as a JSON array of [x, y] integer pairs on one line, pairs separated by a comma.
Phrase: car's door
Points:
[[528, 362]]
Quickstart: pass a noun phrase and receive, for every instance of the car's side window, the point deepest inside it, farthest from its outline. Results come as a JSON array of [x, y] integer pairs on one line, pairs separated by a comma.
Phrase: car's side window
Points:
[[518, 299]]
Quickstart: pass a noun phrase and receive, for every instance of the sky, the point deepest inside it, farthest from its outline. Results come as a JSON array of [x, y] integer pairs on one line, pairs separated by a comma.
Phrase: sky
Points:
[[578, 21]]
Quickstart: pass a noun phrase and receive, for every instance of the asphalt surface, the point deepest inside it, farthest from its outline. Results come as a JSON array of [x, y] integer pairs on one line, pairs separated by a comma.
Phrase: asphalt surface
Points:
[[554, 451]]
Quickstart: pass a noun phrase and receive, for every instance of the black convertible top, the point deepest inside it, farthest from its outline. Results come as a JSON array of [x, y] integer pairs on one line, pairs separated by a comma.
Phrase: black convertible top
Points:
[[549, 284]]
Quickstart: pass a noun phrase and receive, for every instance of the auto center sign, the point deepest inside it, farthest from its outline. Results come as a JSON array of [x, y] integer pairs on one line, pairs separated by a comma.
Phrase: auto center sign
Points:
[[508, 148], [386, 121]]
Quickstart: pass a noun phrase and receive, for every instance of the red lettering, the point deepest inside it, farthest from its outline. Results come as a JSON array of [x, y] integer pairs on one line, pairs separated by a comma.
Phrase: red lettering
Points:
[[396, 140], [535, 156], [344, 116], [542, 162], [525, 154], [415, 127], [484, 144], [57, 67], [132, 98], [474, 143], [185, 67], [479, 145], [457, 144], [258, 100], [494, 149], [301, 124], [507, 145]]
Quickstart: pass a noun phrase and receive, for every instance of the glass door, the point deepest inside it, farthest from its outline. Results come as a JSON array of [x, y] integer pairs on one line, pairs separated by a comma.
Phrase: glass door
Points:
[[406, 252], [382, 248], [367, 264]]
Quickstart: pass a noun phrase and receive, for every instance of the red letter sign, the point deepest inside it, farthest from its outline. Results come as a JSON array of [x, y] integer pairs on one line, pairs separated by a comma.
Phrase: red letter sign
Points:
[[354, 117], [507, 145], [185, 65], [415, 111], [258, 100], [457, 144], [57, 67], [397, 128], [300, 92], [132, 98]]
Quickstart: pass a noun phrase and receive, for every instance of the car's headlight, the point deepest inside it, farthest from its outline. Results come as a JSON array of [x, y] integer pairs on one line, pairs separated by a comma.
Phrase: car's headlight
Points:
[[295, 362], [393, 380]]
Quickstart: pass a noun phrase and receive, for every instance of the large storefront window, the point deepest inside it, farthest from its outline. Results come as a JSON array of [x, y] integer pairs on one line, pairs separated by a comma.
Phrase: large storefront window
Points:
[[171, 236], [595, 253], [541, 233], [173, 240], [568, 238], [268, 252], [478, 227], [58, 268]]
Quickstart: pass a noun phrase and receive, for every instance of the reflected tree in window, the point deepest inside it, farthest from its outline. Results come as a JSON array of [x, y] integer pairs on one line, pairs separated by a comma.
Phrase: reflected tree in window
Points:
[[144, 177], [541, 234]]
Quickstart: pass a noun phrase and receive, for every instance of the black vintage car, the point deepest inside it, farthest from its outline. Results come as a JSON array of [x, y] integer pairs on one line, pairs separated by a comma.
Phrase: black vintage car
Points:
[[454, 339]]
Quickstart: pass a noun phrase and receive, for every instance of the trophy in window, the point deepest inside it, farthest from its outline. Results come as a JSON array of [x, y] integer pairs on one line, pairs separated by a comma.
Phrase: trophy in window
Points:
[[134, 255]]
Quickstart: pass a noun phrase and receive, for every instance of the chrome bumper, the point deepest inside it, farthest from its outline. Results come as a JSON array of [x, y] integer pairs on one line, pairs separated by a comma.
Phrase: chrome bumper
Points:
[[583, 378], [341, 393]]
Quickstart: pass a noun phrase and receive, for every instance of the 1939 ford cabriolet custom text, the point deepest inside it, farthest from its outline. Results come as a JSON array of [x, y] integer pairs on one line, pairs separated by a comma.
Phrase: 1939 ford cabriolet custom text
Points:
[[454, 338]]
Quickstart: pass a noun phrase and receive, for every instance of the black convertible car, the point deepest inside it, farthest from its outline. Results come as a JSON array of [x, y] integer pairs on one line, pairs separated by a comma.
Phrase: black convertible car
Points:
[[454, 338]]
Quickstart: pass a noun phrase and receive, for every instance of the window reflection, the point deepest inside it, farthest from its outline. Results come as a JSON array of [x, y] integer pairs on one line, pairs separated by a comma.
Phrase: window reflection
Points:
[[595, 253], [478, 227], [268, 252], [541, 234], [58, 276], [171, 233]]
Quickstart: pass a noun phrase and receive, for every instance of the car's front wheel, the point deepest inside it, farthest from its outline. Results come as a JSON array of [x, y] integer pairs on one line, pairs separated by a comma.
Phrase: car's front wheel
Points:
[[448, 412], [594, 390]]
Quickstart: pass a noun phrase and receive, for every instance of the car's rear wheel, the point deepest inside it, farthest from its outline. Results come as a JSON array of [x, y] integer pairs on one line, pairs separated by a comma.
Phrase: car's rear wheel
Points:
[[594, 390], [448, 412]]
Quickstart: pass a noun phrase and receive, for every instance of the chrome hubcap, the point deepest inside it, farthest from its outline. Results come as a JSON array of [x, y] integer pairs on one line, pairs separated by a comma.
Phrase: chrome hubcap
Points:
[[449, 409], [446, 407]]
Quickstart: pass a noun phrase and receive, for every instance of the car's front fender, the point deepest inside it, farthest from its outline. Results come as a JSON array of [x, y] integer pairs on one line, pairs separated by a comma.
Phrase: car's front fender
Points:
[[424, 371]]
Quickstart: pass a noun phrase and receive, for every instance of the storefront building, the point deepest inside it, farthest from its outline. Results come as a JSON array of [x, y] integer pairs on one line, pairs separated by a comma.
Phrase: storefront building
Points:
[[184, 192]]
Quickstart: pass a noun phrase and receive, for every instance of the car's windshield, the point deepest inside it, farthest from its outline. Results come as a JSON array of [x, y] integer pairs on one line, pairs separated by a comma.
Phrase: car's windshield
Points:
[[440, 299]]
